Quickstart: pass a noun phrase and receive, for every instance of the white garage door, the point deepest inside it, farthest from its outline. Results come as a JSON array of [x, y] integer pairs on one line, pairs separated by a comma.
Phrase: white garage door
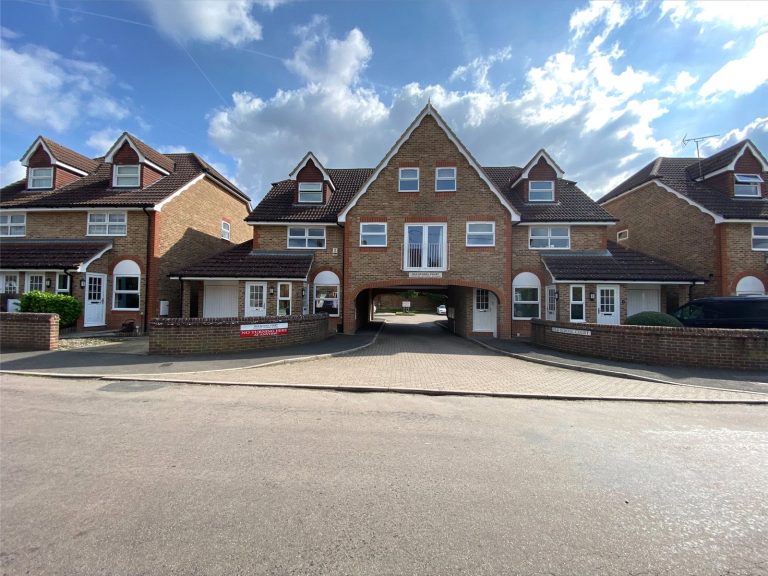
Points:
[[220, 300], [643, 300]]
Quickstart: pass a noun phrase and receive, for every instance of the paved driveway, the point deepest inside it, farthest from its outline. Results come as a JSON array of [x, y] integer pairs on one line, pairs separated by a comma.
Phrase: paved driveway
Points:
[[413, 352]]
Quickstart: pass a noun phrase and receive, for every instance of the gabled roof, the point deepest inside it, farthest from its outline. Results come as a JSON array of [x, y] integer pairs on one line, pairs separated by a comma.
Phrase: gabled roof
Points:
[[616, 264], [243, 261], [146, 153], [96, 191], [535, 160], [428, 110], [724, 161], [671, 174], [307, 157], [61, 156], [50, 253]]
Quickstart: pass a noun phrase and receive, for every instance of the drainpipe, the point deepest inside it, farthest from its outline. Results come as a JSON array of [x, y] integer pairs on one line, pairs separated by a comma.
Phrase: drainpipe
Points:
[[181, 297], [147, 274]]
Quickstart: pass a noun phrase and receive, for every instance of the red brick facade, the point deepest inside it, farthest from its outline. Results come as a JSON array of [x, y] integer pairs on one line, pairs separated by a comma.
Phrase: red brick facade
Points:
[[29, 331]]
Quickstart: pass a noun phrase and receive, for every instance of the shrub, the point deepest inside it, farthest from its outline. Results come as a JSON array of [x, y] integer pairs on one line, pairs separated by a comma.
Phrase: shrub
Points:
[[67, 307], [653, 319]]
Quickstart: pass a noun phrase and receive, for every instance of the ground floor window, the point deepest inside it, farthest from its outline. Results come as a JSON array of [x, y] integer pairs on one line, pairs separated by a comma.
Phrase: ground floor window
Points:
[[577, 304], [62, 284], [126, 286], [526, 290], [35, 282], [481, 299], [9, 283], [750, 286], [284, 299], [327, 288]]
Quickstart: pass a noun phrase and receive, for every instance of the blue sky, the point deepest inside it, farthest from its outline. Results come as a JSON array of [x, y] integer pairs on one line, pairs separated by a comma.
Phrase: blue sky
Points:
[[253, 84]]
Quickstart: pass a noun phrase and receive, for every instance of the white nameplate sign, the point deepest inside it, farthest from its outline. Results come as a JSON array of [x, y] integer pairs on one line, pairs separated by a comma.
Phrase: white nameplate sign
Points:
[[425, 274], [572, 331]]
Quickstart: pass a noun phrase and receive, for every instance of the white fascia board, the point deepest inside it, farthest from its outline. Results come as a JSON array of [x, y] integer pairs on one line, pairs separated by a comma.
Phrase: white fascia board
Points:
[[81, 209], [236, 278], [159, 206], [84, 266], [716, 217], [70, 168], [34, 270], [142, 159], [548, 271], [307, 157], [745, 220], [665, 282], [732, 166], [325, 224], [535, 160], [567, 223], [404, 138]]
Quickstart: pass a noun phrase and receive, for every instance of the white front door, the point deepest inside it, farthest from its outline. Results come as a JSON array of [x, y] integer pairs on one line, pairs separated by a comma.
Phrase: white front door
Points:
[[608, 305], [95, 300], [220, 300], [255, 299], [484, 316], [551, 302], [643, 299]]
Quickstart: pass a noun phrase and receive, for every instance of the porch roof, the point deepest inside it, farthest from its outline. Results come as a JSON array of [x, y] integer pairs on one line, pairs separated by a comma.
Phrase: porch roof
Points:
[[50, 254], [615, 264], [243, 262]]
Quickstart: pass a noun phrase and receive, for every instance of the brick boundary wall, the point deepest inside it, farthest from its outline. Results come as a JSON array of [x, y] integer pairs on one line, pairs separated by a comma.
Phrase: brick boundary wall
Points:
[[703, 347], [29, 331], [179, 336]]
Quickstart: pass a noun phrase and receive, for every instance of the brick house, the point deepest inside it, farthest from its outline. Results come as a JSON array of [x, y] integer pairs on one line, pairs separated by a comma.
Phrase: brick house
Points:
[[429, 218], [708, 216], [109, 230]]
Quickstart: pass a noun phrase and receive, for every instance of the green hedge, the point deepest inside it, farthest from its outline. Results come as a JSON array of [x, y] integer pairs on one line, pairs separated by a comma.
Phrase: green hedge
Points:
[[67, 307], [653, 319]]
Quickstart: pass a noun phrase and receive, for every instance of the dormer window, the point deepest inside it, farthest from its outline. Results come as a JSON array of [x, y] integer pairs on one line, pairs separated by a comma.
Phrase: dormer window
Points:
[[126, 176], [311, 192], [541, 191], [747, 185], [40, 178]]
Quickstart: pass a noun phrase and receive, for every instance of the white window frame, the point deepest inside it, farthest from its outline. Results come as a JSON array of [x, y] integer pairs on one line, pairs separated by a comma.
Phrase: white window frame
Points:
[[573, 301], [747, 182], [337, 299], [537, 302], [550, 190], [622, 235], [470, 234], [425, 253], [59, 289], [110, 226], [400, 179], [439, 178], [117, 177], [549, 238], [226, 229], [306, 237], [363, 233], [279, 299], [28, 281], [115, 291], [34, 175], [7, 225], [4, 279], [756, 236], [311, 188]]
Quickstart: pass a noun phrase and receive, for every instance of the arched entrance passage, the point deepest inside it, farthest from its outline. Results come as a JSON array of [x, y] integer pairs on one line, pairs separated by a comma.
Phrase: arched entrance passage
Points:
[[472, 309]]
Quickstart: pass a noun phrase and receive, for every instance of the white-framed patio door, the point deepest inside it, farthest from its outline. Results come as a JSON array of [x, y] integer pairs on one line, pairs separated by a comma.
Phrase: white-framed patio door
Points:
[[484, 311], [255, 299], [95, 313], [551, 313], [608, 305]]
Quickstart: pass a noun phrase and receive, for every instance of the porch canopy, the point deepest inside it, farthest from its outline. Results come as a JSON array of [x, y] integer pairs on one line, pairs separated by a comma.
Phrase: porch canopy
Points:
[[51, 254]]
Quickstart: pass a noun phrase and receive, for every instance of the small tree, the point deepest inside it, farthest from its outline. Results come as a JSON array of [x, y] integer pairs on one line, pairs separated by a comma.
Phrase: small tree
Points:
[[653, 319], [67, 307]]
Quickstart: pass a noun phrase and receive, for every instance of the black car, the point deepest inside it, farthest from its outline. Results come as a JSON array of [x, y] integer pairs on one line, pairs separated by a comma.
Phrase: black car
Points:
[[725, 312]]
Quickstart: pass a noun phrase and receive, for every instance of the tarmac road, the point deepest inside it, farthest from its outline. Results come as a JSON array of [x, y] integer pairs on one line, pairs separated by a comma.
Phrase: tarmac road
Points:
[[128, 478]]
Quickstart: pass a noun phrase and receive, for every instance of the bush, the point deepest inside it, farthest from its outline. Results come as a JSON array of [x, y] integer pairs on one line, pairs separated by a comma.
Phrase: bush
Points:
[[653, 319], [67, 307]]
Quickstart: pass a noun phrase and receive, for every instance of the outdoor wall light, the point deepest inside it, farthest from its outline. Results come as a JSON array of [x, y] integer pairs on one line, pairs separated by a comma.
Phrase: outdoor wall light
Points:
[[271, 291], [303, 292], [592, 296], [47, 282], [82, 283]]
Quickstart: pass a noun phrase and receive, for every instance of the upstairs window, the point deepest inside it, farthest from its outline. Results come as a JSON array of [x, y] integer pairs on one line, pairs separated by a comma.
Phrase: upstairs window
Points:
[[409, 180], [107, 224], [40, 178], [549, 237], [445, 180], [373, 234], [311, 192], [541, 191], [760, 238], [747, 185], [622, 235], [225, 228], [312, 238], [481, 234], [13, 224], [127, 176]]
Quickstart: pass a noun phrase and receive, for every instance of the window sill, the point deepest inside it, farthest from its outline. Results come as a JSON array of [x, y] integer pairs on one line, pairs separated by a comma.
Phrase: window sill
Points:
[[425, 269], [408, 192], [126, 309], [548, 248]]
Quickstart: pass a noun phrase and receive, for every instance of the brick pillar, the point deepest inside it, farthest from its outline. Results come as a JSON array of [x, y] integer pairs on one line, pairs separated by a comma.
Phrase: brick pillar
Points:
[[151, 305]]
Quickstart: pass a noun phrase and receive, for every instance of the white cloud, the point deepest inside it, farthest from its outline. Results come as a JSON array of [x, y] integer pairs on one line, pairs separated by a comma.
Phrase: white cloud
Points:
[[12, 172], [682, 83], [43, 88], [732, 13], [172, 149], [759, 124], [741, 76], [729, 45], [8, 34], [226, 21], [102, 140], [479, 68]]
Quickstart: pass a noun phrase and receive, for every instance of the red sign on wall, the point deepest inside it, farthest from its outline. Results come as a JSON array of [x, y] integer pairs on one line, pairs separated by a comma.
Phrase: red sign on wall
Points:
[[256, 330]]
